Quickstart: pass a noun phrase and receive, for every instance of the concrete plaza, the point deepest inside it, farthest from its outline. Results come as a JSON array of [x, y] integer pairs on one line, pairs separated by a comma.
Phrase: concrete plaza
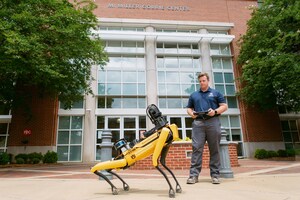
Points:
[[253, 179]]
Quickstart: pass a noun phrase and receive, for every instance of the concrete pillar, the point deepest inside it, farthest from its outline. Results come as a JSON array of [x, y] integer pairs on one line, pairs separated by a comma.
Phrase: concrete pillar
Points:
[[205, 55], [225, 171], [106, 150], [151, 77], [89, 132]]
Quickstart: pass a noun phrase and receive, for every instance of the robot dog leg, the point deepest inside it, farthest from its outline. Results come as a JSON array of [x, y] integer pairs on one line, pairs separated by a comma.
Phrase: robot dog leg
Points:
[[163, 163], [108, 166]]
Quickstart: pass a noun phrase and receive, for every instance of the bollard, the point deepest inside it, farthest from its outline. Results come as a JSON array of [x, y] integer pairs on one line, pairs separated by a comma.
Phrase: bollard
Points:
[[106, 150], [225, 171]]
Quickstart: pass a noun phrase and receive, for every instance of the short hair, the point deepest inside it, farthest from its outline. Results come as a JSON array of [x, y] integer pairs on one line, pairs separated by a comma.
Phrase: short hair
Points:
[[203, 74]]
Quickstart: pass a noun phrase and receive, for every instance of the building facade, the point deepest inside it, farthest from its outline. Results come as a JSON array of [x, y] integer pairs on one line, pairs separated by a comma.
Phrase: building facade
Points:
[[155, 51]]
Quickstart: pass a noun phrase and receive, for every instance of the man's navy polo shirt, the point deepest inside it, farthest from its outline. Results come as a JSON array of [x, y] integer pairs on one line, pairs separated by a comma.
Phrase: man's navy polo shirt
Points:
[[202, 101]]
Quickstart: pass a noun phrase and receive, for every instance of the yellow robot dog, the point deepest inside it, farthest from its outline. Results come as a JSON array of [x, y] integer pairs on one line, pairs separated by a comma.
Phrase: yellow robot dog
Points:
[[157, 143]]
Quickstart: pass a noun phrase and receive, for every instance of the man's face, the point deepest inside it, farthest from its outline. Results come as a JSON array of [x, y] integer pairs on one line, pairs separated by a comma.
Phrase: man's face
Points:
[[203, 83]]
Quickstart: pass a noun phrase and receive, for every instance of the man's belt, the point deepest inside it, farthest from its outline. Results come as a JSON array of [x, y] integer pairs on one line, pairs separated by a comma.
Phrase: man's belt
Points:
[[203, 117]]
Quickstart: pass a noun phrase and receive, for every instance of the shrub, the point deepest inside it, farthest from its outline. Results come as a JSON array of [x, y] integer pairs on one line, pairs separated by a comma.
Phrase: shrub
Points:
[[50, 157], [261, 153], [35, 156], [272, 154], [291, 152], [36, 161], [23, 156], [282, 153], [4, 158], [20, 160]]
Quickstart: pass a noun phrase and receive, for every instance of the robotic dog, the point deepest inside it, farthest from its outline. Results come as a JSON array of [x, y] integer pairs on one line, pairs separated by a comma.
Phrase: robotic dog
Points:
[[157, 143]]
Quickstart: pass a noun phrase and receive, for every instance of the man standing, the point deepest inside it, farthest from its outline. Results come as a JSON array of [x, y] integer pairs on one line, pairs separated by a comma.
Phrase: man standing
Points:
[[206, 127]]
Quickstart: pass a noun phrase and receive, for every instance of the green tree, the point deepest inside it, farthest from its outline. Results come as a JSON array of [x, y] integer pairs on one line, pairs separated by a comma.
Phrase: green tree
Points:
[[49, 45], [270, 56]]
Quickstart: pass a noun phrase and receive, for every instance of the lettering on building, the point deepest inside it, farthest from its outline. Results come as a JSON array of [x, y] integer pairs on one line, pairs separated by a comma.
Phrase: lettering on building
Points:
[[148, 7]]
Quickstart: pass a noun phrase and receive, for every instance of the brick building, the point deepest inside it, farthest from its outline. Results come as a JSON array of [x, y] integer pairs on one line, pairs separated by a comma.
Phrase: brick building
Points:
[[155, 48]]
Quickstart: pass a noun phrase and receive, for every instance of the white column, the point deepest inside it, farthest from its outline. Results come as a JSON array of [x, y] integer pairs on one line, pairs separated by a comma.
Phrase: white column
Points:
[[89, 132], [151, 78], [205, 55]]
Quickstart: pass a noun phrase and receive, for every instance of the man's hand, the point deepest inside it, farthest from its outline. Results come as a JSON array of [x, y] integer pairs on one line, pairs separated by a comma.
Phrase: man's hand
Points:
[[211, 112]]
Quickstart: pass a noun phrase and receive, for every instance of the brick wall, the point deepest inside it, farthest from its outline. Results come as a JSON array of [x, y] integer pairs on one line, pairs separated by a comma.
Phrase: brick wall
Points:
[[41, 119], [177, 157]]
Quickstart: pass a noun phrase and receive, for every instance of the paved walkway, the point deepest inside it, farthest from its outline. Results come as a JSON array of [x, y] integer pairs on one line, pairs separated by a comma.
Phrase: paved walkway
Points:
[[253, 179]]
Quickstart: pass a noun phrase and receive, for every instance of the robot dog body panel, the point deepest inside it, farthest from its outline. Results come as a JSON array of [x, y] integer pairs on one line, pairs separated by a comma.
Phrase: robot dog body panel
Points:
[[151, 145], [156, 143]]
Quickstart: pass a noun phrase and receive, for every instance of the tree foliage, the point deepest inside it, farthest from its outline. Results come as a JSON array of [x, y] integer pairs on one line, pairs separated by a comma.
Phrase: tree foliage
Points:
[[270, 56], [48, 44]]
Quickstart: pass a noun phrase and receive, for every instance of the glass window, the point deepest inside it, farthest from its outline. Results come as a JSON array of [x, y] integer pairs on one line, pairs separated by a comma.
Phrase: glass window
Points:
[[174, 103], [113, 122], [129, 88], [114, 89], [232, 102], [75, 153], [214, 49], [64, 122], [234, 121], [216, 63], [172, 77], [76, 137], [160, 62], [129, 44], [170, 48], [113, 43], [225, 50], [114, 76], [129, 76], [62, 153], [69, 134], [171, 62], [63, 137], [218, 78], [185, 62], [172, 89], [184, 48], [129, 102], [226, 63], [129, 122]]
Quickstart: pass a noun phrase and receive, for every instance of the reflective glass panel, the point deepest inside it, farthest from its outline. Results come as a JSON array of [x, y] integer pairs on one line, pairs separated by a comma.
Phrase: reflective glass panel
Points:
[[129, 88], [171, 62], [63, 137], [129, 102], [129, 76], [64, 122], [76, 122], [113, 76], [114, 88], [218, 77], [230, 90], [75, 153], [172, 77], [101, 88], [76, 137], [234, 121], [186, 62], [174, 103], [173, 89], [129, 122], [216, 62], [227, 63], [62, 153]]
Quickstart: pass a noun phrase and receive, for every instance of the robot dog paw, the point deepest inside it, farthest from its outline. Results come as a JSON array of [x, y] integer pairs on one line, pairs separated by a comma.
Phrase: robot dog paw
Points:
[[126, 187], [115, 191], [171, 193]]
